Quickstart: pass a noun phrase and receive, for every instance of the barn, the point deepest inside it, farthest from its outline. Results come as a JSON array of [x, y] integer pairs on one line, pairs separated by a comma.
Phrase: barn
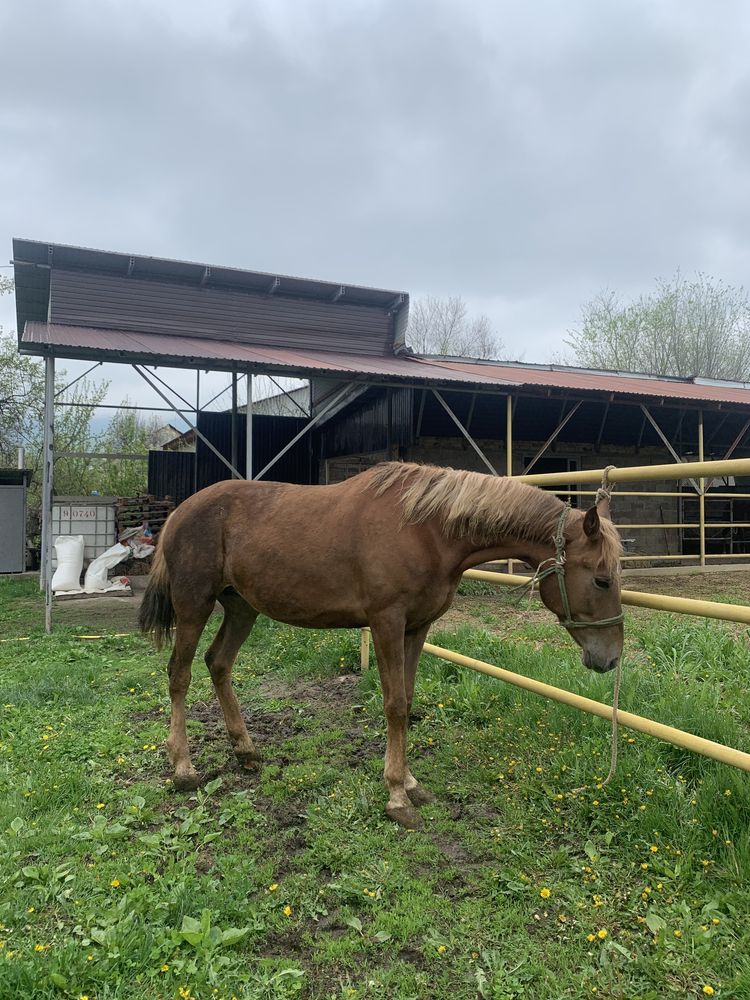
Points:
[[372, 399]]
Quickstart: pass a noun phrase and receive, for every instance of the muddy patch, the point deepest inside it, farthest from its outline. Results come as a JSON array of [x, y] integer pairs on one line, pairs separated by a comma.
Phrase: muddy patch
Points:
[[266, 727]]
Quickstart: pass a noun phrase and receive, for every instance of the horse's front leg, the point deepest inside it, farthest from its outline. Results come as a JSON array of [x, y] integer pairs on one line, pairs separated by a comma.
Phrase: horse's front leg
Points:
[[388, 639], [413, 643]]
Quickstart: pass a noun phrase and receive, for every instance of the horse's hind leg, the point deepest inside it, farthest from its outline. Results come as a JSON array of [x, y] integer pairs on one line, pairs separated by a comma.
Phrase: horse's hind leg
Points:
[[413, 642], [187, 633], [239, 619]]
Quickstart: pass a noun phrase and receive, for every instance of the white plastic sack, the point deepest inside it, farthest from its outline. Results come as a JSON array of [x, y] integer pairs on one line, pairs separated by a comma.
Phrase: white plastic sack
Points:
[[96, 575], [69, 551]]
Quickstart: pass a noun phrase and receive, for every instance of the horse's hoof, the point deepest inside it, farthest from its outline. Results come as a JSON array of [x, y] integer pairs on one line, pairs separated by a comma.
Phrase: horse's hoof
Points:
[[406, 816], [250, 760], [420, 796], [187, 782]]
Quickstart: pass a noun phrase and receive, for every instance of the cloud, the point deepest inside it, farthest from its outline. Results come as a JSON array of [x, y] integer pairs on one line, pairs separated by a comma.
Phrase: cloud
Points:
[[521, 155]]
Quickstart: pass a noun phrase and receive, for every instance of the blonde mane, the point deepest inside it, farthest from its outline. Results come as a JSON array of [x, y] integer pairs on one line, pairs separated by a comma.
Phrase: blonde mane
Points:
[[480, 507]]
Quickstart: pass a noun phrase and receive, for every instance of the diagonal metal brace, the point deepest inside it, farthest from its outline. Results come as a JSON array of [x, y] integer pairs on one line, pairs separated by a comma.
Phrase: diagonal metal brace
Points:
[[465, 433]]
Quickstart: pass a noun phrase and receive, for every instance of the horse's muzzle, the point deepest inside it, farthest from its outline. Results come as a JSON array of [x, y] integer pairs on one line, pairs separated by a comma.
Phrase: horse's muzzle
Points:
[[593, 662]]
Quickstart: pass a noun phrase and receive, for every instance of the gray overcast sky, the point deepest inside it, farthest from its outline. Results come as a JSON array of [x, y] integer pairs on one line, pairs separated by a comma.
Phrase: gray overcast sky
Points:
[[521, 155]]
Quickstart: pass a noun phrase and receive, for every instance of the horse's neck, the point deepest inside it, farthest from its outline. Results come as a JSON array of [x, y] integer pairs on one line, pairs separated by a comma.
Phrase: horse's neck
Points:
[[507, 547]]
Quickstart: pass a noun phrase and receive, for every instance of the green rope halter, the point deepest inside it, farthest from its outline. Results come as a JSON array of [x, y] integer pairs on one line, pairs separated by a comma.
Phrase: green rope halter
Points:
[[557, 566]]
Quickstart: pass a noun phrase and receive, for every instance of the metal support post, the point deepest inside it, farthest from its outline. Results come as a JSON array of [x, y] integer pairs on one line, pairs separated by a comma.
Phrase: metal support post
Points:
[[509, 447], [364, 648], [234, 424], [508, 435], [701, 493], [47, 487], [197, 412], [249, 429]]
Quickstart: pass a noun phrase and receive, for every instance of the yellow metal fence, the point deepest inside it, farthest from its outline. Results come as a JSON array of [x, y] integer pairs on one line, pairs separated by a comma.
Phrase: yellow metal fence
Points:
[[632, 598]]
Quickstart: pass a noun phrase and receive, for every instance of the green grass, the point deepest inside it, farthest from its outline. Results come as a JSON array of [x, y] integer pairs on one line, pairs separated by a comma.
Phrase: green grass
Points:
[[291, 883]]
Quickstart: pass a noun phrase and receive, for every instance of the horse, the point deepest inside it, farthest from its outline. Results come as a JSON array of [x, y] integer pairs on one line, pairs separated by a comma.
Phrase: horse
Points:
[[385, 549]]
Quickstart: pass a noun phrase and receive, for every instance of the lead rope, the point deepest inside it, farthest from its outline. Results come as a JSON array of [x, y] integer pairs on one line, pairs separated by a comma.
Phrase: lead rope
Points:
[[605, 493]]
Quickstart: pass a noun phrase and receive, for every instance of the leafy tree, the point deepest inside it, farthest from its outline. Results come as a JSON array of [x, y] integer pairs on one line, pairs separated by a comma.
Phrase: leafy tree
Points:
[[443, 326], [128, 433], [697, 327]]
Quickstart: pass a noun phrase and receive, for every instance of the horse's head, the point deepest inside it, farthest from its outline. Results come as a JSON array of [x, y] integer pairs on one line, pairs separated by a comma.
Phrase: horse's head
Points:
[[582, 585]]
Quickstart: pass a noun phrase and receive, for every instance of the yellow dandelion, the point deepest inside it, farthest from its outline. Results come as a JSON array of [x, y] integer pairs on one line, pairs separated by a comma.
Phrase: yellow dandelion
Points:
[[273, 887], [709, 990], [715, 921], [601, 934], [678, 934], [441, 949], [115, 883], [644, 865], [545, 893], [287, 910], [40, 947], [165, 968], [590, 937], [653, 848]]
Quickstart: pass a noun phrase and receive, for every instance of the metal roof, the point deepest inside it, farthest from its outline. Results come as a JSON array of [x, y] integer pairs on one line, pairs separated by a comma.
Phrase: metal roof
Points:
[[587, 380], [34, 259], [198, 352], [195, 352]]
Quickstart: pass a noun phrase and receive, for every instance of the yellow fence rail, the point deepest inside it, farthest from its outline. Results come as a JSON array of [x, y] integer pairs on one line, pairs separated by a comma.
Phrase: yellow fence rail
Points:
[[679, 738], [644, 473], [638, 599]]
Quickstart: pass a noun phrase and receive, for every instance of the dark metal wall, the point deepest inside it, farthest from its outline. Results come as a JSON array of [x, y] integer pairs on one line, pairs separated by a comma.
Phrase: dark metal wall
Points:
[[364, 426], [270, 434], [86, 298], [172, 473]]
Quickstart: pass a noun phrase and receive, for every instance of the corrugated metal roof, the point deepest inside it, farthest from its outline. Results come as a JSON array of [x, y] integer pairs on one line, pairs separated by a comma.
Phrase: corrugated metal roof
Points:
[[119, 345], [147, 348], [624, 383]]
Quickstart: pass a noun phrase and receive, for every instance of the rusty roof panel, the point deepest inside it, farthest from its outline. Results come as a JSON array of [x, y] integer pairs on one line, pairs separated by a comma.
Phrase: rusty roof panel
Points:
[[622, 383], [150, 348]]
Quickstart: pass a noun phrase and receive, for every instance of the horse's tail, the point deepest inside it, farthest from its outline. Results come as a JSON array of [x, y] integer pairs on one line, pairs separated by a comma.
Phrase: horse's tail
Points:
[[156, 614]]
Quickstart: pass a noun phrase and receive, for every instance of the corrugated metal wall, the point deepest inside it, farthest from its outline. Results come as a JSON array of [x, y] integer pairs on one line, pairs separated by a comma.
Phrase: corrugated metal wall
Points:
[[270, 434], [170, 473], [134, 304], [363, 427]]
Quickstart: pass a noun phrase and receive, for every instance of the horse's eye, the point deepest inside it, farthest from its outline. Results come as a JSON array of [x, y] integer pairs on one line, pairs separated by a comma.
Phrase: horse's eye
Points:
[[602, 583]]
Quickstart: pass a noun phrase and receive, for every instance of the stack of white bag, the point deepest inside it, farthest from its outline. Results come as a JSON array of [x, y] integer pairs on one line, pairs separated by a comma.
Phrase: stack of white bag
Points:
[[67, 578]]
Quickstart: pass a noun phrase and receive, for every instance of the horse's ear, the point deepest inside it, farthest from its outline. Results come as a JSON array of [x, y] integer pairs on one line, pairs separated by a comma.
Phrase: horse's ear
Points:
[[602, 507], [591, 525]]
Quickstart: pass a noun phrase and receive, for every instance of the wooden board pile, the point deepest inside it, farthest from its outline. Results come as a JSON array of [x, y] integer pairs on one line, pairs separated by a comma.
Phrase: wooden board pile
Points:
[[131, 512]]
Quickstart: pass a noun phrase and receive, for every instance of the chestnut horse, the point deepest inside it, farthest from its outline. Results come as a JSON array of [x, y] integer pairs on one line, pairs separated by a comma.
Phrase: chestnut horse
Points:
[[384, 549]]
